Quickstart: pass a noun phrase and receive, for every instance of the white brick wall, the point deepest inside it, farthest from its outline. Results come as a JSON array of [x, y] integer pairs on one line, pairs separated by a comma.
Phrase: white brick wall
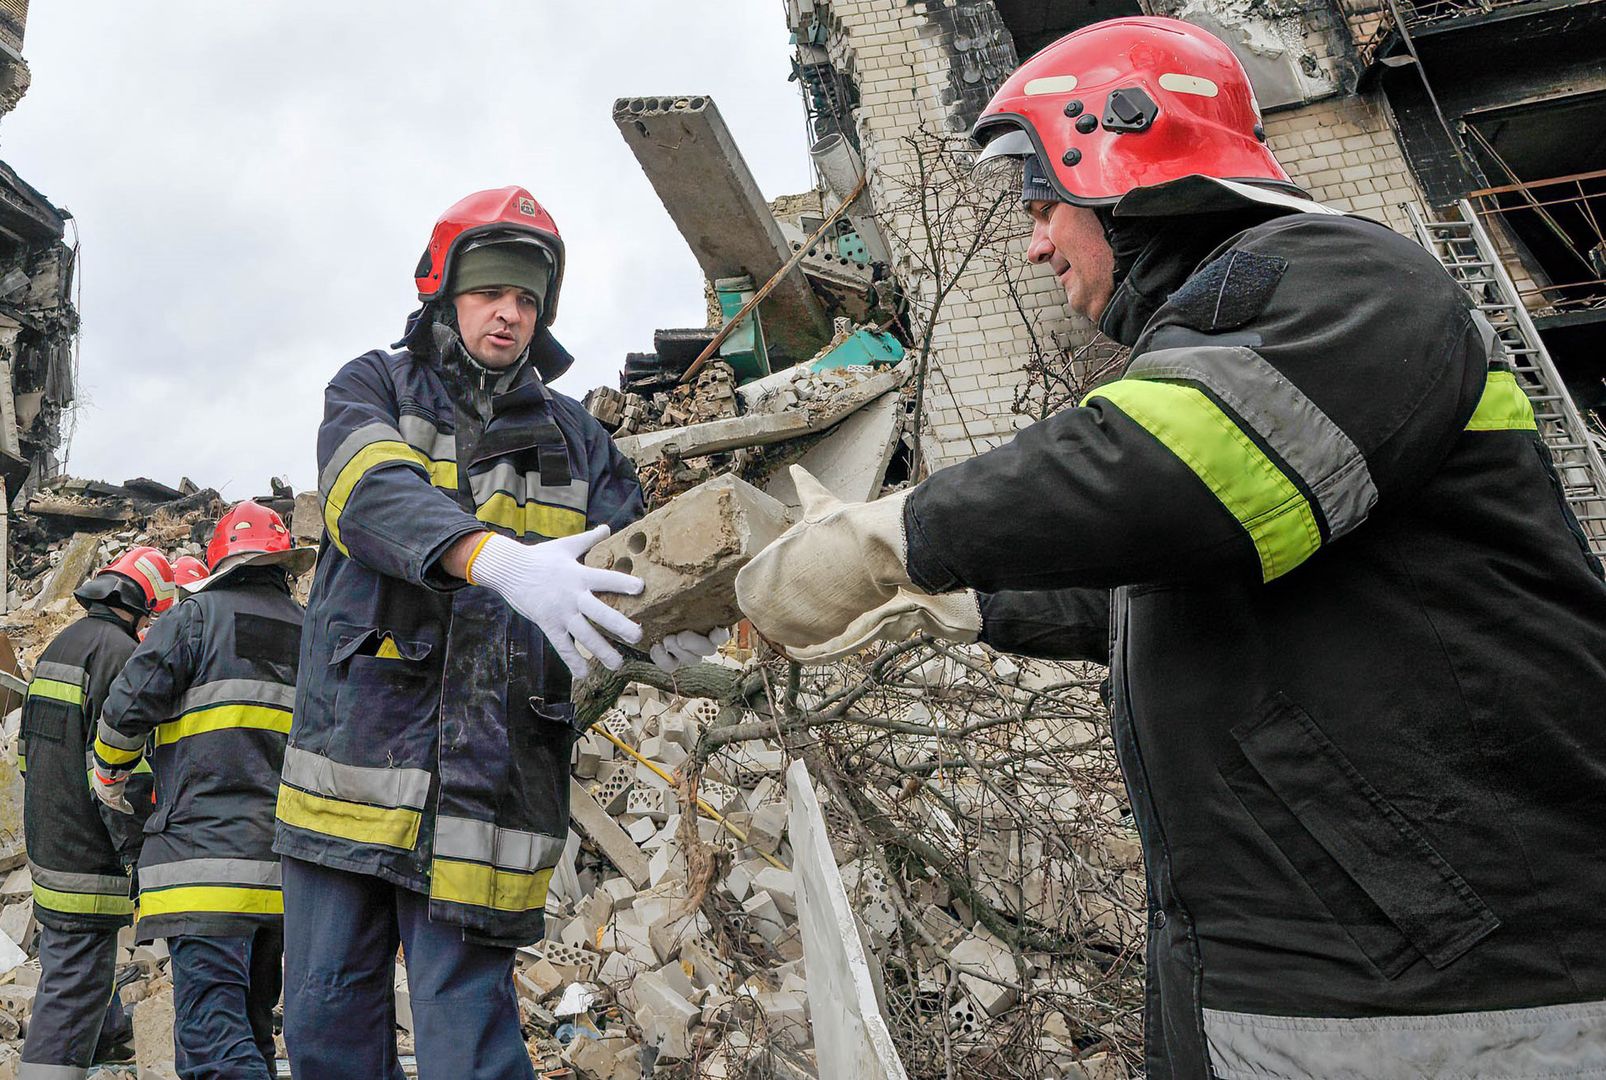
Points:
[[1344, 152]]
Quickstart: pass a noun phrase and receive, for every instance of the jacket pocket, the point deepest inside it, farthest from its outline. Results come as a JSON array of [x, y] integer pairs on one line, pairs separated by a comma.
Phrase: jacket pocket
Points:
[[44, 720], [387, 695], [1394, 895]]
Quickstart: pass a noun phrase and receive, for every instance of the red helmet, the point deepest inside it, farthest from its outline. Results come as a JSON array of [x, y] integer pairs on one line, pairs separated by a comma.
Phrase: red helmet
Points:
[[249, 527], [509, 209], [1131, 103], [143, 568], [187, 568]]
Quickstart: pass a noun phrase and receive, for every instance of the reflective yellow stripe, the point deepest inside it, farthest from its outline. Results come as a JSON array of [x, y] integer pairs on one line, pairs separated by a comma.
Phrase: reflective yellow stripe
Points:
[[226, 899], [71, 693], [548, 521], [1266, 503], [221, 717], [375, 454], [484, 886], [113, 755], [443, 474], [82, 903], [397, 828], [1503, 406]]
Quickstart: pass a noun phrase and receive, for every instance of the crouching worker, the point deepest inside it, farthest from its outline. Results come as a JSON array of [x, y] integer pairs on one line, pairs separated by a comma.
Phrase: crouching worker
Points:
[[211, 688], [79, 851]]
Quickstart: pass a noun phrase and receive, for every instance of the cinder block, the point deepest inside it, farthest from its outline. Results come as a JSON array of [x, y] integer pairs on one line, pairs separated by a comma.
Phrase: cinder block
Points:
[[688, 553]]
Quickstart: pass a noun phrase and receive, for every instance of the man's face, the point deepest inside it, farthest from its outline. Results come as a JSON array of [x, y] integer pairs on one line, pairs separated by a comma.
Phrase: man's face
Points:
[[1071, 241], [496, 323]]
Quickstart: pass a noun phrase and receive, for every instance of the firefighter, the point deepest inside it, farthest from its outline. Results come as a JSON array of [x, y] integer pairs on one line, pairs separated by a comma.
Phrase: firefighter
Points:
[[1358, 639], [79, 852], [425, 794], [211, 689], [187, 570]]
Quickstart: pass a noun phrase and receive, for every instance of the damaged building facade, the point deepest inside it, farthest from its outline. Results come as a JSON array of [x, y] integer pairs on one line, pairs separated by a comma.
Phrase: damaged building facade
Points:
[[38, 322]]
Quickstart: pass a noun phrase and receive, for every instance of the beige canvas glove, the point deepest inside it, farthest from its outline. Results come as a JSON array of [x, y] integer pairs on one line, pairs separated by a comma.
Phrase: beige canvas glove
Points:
[[840, 561], [954, 616]]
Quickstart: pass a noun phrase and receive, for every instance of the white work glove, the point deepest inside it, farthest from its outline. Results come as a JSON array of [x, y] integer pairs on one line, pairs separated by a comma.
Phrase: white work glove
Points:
[[686, 648], [954, 616], [840, 561], [111, 791], [549, 585]]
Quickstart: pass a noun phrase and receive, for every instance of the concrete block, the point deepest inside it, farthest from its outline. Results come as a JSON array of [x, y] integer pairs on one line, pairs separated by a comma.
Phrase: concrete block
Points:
[[306, 518], [668, 935], [18, 886], [17, 923], [591, 819], [662, 752], [667, 864], [688, 553], [786, 1018], [651, 803], [642, 830], [721, 797], [404, 1001], [850, 461], [779, 884], [709, 970], [764, 918], [574, 965], [768, 827], [613, 793], [977, 952]]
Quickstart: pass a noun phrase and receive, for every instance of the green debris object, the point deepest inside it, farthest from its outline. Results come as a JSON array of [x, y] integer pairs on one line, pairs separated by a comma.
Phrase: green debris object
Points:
[[744, 349], [864, 348]]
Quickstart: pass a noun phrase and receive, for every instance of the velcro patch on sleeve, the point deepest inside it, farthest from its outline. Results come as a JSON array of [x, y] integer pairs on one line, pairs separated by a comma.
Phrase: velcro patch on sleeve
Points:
[[1229, 292]]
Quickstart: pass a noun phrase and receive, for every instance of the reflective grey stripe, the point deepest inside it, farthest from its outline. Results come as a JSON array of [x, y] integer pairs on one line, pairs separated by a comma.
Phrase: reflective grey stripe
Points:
[[483, 841], [1325, 458], [350, 447], [67, 673], [209, 872], [112, 737], [424, 436], [247, 691], [356, 783], [27, 1070], [1552, 1041], [61, 881], [527, 487]]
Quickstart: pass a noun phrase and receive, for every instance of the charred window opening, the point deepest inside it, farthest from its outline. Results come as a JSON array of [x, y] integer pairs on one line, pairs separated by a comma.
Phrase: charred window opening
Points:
[[1036, 23]]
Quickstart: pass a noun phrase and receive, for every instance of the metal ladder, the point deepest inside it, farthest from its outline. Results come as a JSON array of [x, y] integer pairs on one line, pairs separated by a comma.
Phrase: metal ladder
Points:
[[1462, 246]]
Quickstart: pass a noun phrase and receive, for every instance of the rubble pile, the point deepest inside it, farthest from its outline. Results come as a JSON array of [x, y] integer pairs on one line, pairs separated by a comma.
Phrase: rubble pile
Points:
[[999, 902]]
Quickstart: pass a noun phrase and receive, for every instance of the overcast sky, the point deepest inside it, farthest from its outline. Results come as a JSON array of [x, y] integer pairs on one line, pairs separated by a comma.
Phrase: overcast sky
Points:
[[253, 184]]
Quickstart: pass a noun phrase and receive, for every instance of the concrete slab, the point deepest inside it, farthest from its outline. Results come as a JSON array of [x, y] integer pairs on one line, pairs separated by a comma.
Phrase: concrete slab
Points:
[[595, 822], [694, 165], [850, 461], [850, 1034]]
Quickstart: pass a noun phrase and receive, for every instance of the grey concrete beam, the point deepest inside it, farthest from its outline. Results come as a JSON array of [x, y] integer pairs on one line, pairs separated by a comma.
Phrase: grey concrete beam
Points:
[[695, 166]]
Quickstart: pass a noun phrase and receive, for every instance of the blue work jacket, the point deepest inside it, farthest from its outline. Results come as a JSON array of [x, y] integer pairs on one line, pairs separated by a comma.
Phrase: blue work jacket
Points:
[[433, 728]]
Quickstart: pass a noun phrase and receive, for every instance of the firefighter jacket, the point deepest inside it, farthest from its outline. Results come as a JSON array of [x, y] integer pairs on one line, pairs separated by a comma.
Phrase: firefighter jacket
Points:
[[1358, 659], [433, 730], [211, 689], [79, 850]]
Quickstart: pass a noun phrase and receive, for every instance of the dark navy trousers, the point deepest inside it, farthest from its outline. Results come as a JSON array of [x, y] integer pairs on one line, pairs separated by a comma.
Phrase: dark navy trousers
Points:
[[341, 932], [72, 1022], [224, 991]]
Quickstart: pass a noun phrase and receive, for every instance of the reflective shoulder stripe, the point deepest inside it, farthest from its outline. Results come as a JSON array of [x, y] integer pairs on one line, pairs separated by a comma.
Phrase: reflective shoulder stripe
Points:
[[212, 899], [486, 842], [82, 903], [250, 872], [1278, 519], [67, 673], [223, 718], [1284, 418], [370, 447], [55, 690], [358, 822], [243, 691], [1503, 406], [477, 885], [550, 522], [389, 788]]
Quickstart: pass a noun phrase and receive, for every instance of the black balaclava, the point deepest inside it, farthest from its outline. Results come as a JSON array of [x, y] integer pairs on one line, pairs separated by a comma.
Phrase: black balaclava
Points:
[[468, 381]]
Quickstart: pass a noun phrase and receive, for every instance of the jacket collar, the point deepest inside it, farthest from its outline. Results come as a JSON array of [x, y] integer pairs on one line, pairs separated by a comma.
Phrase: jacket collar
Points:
[[548, 356]]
